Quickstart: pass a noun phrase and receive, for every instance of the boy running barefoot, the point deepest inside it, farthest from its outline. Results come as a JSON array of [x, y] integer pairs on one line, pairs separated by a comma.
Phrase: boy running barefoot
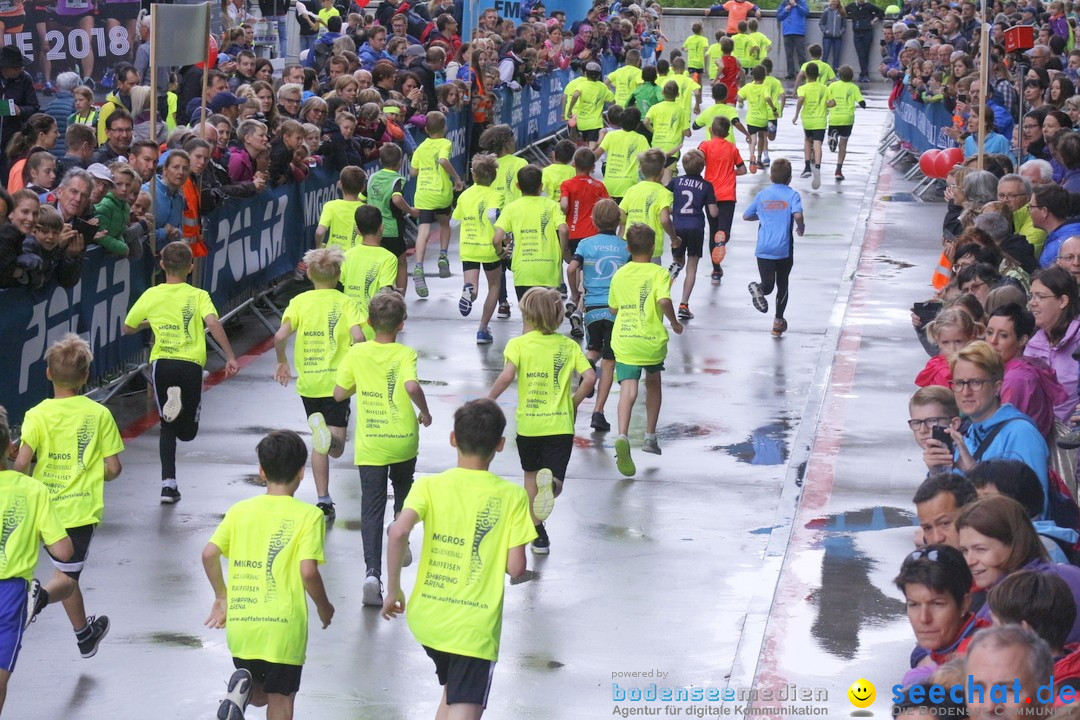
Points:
[[78, 450], [327, 323], [640, 299], [598, 257], [544, 363], [384, 190], [436, 181], [274, 545], [382, 374], [697, 201], [476, 210], [476, 526], [539, 230], [176, 312], [813, 97], [34, 521], [336, 226], [843, 96], [777, 208], [369, 268], [650, 203]]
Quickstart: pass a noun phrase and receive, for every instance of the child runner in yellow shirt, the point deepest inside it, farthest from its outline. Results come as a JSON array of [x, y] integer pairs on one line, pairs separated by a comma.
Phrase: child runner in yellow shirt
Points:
[[813, 99], [436, 181], [544, 364], [326, 323], [540, 235], [336, 225], [369, 268], [499, 141], [650, 202], [476, 210]]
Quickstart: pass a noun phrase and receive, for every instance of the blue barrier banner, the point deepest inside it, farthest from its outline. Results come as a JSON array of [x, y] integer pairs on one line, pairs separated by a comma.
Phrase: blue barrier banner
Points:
[[922, 124], [95, 309]]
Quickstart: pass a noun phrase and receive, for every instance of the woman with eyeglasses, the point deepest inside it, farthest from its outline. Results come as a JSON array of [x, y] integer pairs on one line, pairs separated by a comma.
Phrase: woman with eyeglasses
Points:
[[995, 429], [1029, 139], [998, 539], [1053, 304], [936, 584]]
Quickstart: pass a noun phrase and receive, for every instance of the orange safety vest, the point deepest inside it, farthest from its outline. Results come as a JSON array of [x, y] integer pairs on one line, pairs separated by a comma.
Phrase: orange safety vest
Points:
[[192, 229]]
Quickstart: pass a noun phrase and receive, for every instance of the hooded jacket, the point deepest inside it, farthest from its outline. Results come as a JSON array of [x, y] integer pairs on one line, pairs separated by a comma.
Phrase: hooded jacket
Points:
[[1032, 387], [1018, 439], [1055, 238], [1059, 357]]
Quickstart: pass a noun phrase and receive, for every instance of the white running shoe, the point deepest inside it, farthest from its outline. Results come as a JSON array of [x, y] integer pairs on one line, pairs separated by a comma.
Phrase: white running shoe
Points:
[[173, 405], [320, 433], [372, 594], [544, 502]]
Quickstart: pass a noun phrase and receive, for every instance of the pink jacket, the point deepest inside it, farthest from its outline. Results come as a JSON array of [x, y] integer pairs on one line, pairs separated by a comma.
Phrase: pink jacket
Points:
[[1059, 358], [1032, 387], [936, 372]]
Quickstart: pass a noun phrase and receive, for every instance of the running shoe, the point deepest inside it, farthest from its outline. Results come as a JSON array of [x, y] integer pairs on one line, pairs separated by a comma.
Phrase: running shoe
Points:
[[468, 294], [35, 602], [719, 251], [444, 265], [173, 405], [673, 270], [418, 279], [651, 446], [571, 308], [623, 461], [577, 326], [328, 511], [839, 175], [542, 544], [169, 495], [95, 631], [320, 433], [372, 592], [544, 502], [483, 337], [563, 291], [504, 310], [599, 422], [778, 327], [834, 140], [684, 312], [761, 303], [48, 89], [816, 182], [752, 166], [766, 161], [805, 173], [236, 698]]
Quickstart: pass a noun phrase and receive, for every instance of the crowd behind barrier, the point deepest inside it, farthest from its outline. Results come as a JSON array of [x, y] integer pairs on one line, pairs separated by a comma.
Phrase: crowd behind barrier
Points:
[[920, 125], [252, 243]]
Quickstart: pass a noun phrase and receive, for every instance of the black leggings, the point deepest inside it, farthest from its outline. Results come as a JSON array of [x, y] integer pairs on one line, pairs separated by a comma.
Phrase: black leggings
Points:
[[775, 272], [187, 376], [723, 222], [373, 505]]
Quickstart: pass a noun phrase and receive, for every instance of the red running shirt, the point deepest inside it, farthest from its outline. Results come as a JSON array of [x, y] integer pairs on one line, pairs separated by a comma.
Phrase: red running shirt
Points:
[[721, 159], [581, 193]]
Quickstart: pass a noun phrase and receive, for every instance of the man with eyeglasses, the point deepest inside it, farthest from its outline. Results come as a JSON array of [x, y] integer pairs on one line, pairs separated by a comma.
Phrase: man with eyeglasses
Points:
[[936, 583], [997, 430], [1069, 257], [1050, 207], [1015, 190]]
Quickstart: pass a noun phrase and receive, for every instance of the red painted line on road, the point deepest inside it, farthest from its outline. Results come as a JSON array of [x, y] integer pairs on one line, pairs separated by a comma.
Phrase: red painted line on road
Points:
[[821, 468], [151, 418]]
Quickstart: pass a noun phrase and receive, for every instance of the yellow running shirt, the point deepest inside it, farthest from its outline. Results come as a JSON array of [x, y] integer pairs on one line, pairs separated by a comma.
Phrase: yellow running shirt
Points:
[[695, 47], [339, 218], [534, 222], [175, 312], [715, 53], [621, 160], [71, 437], [758, 112], [707, 116], [387, 430], [29, 521], [814, 111], [553, 177], [471, 520], [667, 119], [639, 336], [476, 233], [434, 190], [589, 107], [546, 364], [323, 322], [367, 270], [265, 538], [506, 178], [644, 203], [846, 95], [687, 88], [625, 80], [825, 71]]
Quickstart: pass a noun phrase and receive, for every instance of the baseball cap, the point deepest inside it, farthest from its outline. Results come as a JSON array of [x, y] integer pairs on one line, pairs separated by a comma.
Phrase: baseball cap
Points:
[[100, 172], [224, 100], [415, 51], [592, 67]]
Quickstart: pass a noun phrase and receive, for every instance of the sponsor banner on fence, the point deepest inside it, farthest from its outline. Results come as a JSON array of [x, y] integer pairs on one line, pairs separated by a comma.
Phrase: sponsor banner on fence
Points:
[[922, 124]]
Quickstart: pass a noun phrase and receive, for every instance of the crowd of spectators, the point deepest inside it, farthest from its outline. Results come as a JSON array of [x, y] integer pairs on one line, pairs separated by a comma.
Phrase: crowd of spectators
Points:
[[363, 79]]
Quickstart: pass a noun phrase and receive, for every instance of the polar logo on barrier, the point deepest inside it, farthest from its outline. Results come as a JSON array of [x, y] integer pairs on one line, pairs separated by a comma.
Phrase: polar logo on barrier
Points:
[[250, 243], [56, 315]]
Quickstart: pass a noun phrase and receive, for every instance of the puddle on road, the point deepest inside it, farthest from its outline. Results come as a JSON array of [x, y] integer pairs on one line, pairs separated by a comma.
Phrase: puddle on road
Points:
[[900, 197], [538, 662], [175, 639], [767, 445]]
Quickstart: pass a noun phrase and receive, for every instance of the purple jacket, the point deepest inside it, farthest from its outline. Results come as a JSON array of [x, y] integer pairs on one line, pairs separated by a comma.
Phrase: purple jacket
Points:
[[1060, 359], [1031, 386]]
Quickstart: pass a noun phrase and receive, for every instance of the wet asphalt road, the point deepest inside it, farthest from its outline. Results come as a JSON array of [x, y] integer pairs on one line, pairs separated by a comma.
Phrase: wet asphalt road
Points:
[[671, 572]]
